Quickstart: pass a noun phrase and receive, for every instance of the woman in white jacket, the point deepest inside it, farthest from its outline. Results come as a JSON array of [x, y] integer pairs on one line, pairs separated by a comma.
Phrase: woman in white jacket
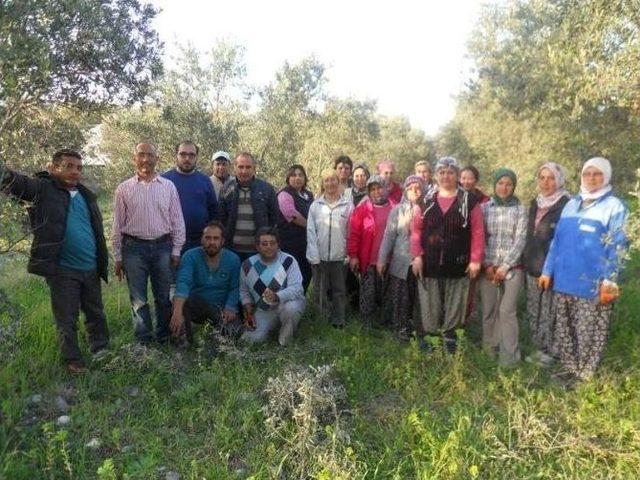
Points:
[[327, 247]]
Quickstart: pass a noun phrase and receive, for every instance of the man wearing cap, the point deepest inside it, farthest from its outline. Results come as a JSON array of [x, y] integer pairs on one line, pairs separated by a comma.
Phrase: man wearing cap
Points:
[[246, 205], [220, 164], [197, 198]]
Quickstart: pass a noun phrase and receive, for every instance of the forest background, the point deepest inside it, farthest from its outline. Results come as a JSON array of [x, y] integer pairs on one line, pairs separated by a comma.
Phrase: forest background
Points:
[[552, 80]]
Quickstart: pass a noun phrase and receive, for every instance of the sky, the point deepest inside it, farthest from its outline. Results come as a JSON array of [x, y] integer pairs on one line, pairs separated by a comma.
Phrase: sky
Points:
[[407, 55]]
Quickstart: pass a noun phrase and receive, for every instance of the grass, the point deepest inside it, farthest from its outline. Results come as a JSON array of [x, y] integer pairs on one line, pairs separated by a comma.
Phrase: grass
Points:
[[405, 415]]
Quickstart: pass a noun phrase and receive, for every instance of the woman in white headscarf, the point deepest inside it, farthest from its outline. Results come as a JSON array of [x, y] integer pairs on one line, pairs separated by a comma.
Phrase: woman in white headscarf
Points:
[[582, 267], [544, 214]]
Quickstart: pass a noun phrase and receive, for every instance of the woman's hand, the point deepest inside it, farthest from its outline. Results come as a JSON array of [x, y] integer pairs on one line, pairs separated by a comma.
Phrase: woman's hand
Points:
[[417, 266], [473, 269], [354, 264], [500, 274], [544, 282], [609, 292]]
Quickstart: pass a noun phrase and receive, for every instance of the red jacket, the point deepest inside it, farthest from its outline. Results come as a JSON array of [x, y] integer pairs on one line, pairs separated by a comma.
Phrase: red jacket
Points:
[[362, 232]]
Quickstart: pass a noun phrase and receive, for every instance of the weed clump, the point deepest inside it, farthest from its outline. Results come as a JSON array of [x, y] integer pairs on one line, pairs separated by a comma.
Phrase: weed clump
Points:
[[12, 327], [139, 357], [305, 413]]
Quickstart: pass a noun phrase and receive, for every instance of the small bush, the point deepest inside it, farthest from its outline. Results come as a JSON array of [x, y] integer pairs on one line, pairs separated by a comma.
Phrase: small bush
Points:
[[305, 409]]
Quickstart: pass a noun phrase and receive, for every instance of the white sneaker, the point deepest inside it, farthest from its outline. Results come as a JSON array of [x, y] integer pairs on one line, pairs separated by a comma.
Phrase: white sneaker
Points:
[[534, 357], [545, 359]]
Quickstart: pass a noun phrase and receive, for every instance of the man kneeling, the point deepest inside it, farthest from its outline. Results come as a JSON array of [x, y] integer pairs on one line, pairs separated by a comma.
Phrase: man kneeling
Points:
[[206, 284], [271, 290]]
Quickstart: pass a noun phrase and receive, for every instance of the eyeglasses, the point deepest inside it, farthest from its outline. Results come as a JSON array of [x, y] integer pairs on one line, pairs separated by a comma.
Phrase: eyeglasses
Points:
[[186, 155]]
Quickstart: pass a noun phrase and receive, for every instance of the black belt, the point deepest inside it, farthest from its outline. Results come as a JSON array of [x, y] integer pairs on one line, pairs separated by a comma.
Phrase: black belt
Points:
[[162, 239]]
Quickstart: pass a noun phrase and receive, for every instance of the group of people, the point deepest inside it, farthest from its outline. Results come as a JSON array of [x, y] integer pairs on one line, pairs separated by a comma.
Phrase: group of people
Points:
[[414, 256]]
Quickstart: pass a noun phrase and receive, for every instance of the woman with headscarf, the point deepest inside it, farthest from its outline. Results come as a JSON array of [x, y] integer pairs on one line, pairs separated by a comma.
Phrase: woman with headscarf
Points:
[[326, 248], [544, 214], [505, 226], [583, 266], [395, 256], [447, 244], [366, 230], [294, 201]]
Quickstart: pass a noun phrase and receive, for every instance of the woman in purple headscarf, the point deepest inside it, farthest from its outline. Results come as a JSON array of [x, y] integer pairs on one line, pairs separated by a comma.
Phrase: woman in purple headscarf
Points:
[[395, 257]]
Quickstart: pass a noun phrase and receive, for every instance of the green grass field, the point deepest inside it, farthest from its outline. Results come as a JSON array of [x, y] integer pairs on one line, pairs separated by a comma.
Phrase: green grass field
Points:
[[386, 410]]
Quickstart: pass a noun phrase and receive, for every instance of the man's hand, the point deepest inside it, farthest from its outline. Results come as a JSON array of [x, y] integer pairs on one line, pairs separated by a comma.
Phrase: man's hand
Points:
[[175, 261], [177, 322], [270, 296], [382, 268], [473, 269], [119, 270], [249, 321], [417, 266], [354, 264], [544, 282], [228, 316]]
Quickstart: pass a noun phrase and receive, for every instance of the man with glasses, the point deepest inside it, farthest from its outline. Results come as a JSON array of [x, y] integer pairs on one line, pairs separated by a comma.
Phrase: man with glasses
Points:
[[68, 249], [271, 290], [148, 235], [197, 198]]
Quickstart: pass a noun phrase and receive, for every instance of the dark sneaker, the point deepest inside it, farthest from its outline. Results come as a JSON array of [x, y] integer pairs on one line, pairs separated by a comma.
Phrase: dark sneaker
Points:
[[450, 345], [424, 346]]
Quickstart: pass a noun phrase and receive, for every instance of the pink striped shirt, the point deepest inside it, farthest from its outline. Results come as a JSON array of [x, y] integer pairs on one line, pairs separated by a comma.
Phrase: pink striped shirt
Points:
[[147, 210]]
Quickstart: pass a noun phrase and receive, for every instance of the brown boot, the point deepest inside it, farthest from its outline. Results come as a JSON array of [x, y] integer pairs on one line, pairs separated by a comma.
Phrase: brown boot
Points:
[[76, 367]]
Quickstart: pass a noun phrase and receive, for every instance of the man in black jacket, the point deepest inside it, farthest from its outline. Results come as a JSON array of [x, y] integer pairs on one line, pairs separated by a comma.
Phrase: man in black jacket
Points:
[[68, 249], [246, 204]]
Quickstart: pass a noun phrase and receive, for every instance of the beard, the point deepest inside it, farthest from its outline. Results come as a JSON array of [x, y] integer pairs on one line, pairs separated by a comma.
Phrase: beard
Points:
[[186, 168], [211, 251]]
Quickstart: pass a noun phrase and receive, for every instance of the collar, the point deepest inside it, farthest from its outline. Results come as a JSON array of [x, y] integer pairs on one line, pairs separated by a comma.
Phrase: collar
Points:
[[140, 180]]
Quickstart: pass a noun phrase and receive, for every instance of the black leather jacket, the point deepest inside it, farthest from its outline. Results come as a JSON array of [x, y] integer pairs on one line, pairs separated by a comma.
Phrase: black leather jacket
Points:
[[48, 216]]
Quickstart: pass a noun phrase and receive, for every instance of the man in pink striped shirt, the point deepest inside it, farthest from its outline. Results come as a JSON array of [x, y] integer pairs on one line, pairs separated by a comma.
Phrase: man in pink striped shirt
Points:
[[148, 234]]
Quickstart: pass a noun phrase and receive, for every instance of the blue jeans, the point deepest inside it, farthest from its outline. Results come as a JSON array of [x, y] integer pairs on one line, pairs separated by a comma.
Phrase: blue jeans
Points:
[[143, 260]]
